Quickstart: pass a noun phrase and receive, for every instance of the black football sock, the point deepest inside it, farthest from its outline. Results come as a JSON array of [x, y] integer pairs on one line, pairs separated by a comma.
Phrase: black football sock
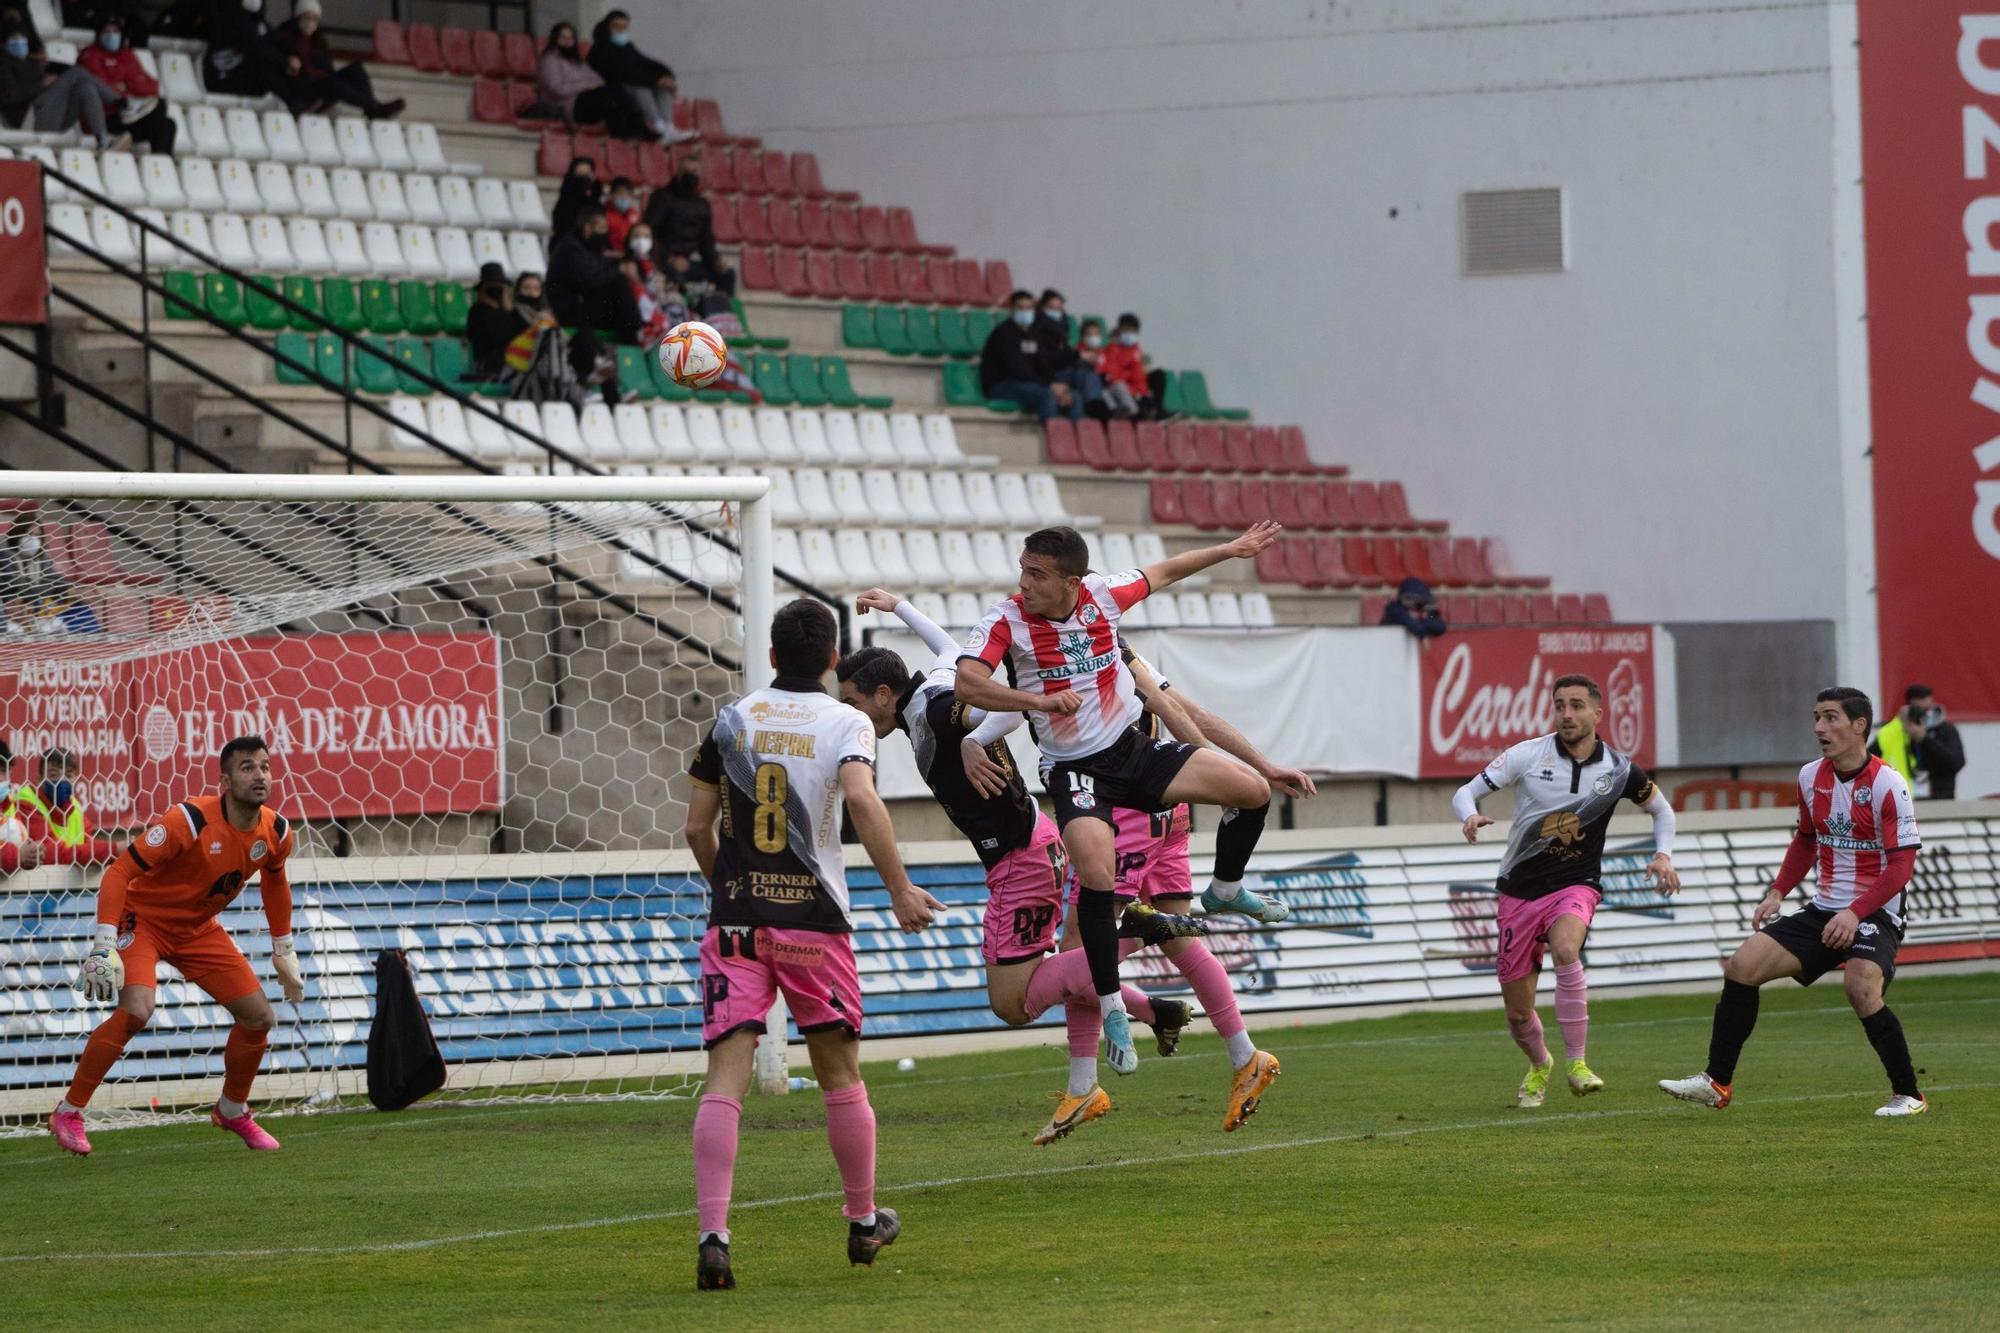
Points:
[[1097, 922], [1235, 839], [1885, 1034], [1735, 1016]]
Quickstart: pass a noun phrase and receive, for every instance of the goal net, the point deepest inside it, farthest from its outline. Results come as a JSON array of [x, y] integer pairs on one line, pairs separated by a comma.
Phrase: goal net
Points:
[[478, 694]]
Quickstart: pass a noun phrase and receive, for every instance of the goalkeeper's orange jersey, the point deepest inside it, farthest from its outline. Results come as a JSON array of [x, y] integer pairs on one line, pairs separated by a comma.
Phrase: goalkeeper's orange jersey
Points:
[[191, 862]]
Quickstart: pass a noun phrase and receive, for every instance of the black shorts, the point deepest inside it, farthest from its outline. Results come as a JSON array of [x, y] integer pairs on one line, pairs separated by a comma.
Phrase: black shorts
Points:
[[1875, 939], [1133, 773]]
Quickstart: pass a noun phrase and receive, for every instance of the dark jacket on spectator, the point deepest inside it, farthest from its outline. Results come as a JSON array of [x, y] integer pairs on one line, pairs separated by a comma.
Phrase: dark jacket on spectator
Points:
[[241, 57], [314, 55], [682, 221], [574, 194], [576, 269], [489, 328], [1422, 621], [623, 64], [20, 85], [1013, 353]]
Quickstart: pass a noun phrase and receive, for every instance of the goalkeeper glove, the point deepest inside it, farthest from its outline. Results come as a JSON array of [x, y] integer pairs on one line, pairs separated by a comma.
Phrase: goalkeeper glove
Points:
[[102, 972], [285, 957]]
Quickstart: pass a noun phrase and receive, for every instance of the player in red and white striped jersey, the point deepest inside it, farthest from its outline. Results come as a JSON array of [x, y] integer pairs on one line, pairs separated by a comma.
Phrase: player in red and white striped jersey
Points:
[[1058, 638], [1858, 830]]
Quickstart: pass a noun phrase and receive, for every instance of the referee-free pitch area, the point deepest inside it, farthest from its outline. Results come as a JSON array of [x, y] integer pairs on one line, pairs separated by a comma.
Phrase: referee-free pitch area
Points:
[[1385, 1183]]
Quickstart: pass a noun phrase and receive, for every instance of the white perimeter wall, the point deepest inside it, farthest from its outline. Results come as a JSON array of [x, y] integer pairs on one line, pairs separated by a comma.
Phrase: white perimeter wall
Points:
[[1275, 188]]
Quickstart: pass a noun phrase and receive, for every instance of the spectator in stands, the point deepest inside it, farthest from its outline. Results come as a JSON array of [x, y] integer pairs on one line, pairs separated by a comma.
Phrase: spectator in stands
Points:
[[579, 94], [1123, 366], [1074, 366], [1014, 364], [589, 293], [684, 230], [666, 300], [1415, 609], [1053, 314], [538, 360], [1115, 397], [645, 80], [241, 59], [1922, 745], [34, 596], [491, 323], [138, 107], [580, 186], [309, 80], [57, 101], [14, 856], [621, 210]]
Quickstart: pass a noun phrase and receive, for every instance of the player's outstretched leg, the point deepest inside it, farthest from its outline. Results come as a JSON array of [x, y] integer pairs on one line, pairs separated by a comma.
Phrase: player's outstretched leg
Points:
[[242, 1056], [1759, 959], [1211, 778]]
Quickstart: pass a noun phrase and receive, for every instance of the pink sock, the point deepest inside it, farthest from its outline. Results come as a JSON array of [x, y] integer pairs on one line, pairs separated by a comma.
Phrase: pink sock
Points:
[[1205, 973], [1137, 1003], [1065, 979], [715, 1122], [1086, 1024], [1572, 1008], [1528, 1036], [850, 1128]]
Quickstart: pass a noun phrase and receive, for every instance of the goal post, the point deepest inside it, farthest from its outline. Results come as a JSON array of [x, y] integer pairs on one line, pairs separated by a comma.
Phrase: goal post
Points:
[[481, 694]]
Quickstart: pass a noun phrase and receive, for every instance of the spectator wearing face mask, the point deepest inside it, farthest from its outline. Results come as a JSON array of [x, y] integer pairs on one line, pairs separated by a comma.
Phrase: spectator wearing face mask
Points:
[[1123, 367], [32, 97], [51, 812], [684, 227], [579, 94], [13, 856], [589, 293], [580, 186], [137, 108], [241, 60], [1108, 399], [308, 80], [645, 80], [34, 596], [1014, 364], [491, 323], [1065, 364], [621, 210]]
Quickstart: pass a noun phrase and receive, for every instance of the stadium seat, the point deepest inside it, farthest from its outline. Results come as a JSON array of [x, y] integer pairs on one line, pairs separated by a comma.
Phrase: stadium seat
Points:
[[1500, 565], [450, 359], [892, 330], [491, 104], [379, 310], [874, 227], [873, 431], [1396, 508], [232, 241], [426, 152], [357, 146], [524, 253], [1367, 506], [996, 562], [374, 365], [316, 134], [308, 245], [207, 135], [739, 435], [191, 231], [461, 208], [802, 377], [1269, 456], [161, 181], [521, 54], [455, 49], [907, 435], [1181, 447], [412, 355], [417, 302], [1569, 609], [420, 194], [385, 197], [1596, 609], [239, 186], [246, 134], [1060, 442], [1310, 499], [1388, 556], [924, 337], [911, 284], [999, 282], [1166, 503], [272, 186], [388, 45], [122, 181], [1228, 500], [1236, 447], [384, 250], [1416, 559], [454, 249], [1256, 501], [524, 200], [868, 497], [1542, 608], [426, 53], [941, 439], [840, 390], [350, 194], [186, 285], [342, 304]]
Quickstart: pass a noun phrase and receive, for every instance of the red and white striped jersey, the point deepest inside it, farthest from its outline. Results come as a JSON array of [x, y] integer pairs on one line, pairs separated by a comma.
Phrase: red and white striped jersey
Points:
[[1081, 653], [1857, 823]]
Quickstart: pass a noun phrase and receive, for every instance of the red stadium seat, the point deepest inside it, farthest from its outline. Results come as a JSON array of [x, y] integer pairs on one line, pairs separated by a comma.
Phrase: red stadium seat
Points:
[[1297, 458], [750, 173], [425, 52], [1310, 501], [553, 154], [805, 176], [1229, 503], [590, 144], [1090, 442], [1494, 550], [718, 170], [1542, 608], [1372, 609], [999, 282], [853, 271], [943, 277], [520, 100], [1471, 565], [455, 47], [1284, 504], [821, 276], [1124, 443], [1397, 506], [813, 225], [1596, 609], [901, 227], [1389, 560], [910, 283], [778, 173], [1515, 609], [757, 268], [1166, 502], [490, 104], [1273, 562], [1359, 559], [790, 266], [89, 557], [970, 281], [708, 121], [874, 227], [722, 210], [1236, 444], [1569, 609], [521, 54], [846, 232], [1257, 503], [882, 277], [1417, 559], [754, 220], [1059, 442], [1368, 506], [784, 218], [1339, 504], [1181, 446], [1209, 447], [1264, 444], [619, 158], [390, 45], [1437, 550], [1199, 499], [1152, 437], [656, 165], [1329, 553]]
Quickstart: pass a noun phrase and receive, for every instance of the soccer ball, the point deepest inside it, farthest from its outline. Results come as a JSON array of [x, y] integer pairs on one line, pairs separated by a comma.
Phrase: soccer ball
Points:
[[693, 355]]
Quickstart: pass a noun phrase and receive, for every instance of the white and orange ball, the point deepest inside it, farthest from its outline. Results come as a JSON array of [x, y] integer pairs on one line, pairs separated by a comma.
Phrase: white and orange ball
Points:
[[693, 355]]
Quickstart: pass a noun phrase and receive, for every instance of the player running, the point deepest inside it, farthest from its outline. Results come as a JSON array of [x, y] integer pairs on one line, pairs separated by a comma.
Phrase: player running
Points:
[[1858, 830], [776, 768], [159, 902], [1058, 637], [1569, 786], [1016, 842]]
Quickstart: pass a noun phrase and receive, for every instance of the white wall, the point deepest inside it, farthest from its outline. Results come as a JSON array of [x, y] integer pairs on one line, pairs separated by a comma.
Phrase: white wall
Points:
[[1275, 188]]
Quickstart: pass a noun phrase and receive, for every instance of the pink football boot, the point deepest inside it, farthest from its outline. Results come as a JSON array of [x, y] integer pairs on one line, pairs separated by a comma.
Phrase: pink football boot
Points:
[[67, 1126], [245, 1128]]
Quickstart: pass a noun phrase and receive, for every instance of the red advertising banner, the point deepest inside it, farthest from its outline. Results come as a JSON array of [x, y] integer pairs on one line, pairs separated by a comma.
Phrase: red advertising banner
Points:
[[24, 260], [359, 724], [1484, 690], [1930, 153]]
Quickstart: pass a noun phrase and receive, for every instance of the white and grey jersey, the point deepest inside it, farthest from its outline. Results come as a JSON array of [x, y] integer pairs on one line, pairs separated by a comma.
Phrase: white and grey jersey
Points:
[[775, 756], [1562, 807]]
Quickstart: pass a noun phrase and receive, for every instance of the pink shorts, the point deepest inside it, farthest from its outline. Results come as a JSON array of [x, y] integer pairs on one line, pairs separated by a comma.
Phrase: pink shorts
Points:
[[743, 970], [1152, 854], [1024, 898], [1524, 926]]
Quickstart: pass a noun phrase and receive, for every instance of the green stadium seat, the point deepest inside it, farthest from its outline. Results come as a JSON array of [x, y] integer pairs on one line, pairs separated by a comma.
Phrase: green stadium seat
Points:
[[1172, 401], [223, 295], [262, 306], [451, 305], [378, 307], [953, 335], [768, 369], [961, 389], [1194, 393], [418, 303], [187, 285], [330, 355], [342, 305], [300, 347], [301, 290], [450, 358], [892, 330], [802, 374], [922, 323], [413, 354], [635, 377], [750, 339], [857, 326], [840, 389], [375, 366]]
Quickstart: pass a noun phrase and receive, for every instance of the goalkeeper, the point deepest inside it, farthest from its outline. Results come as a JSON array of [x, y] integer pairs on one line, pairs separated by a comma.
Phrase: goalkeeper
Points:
[[159, 902]]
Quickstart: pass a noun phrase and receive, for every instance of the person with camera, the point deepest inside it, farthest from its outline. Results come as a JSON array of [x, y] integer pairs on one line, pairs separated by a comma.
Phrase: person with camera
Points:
[[1921, 745], [1415, 609]]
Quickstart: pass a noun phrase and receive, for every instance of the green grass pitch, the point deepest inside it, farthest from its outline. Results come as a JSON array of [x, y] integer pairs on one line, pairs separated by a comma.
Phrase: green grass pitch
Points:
[[1385, 1183]]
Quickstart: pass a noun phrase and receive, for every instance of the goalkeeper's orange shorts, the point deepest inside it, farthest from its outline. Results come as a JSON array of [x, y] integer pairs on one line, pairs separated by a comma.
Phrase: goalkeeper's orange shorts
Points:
[[206, 956]]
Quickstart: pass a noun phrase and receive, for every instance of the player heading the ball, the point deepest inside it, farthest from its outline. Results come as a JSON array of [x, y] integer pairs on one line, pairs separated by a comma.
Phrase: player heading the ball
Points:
[[159, 903]]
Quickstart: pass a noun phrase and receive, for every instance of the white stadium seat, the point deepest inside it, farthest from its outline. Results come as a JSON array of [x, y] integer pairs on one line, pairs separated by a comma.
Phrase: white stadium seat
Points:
[[490, 194], [560, 429], [122, 180], [739, 435], [997, 561], [819, 557], [1148, 548], [315, 192], [885, 497], [447, 422], [274, 186], [490, 440], [460, 208], [112, 235], [961, 567], [1162, 612], [162, 181], [343, 241], [80, 165], [281, 137], [316, 133], [942, 441], [526, 419], [59, 52], [309, 245], [267, 238], [421, 193], [1224, 610], [198, 182], [809, 434], [385, 255], [635, 433], [1015, 506], [232, 240], [206, 135], [1193, 609], [815, 497], [385, 197], [425, 151], [454, 250], [908, 438], [876, 442], [489, 247], [409, 415], [1257, 610], [671, 433], [704, 425], [1116, 549], [850, 496], [350, 194], [785, 551], [983, 500], [785, 509], [525, 254], [1046, 499], [357, 147], [933, 606], [71, 220], [52, 189], [774, 435], [1135, 616], [843, 439], [885, 547], [178, 80], [963, 611], [420, 251], [856, 560], [246, 135], [392, 149], [239, 186], [191, 230], [920, 548], [913, 490], [524, 199]]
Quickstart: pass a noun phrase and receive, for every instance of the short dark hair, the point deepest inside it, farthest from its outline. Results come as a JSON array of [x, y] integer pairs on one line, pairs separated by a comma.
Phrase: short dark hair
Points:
[[1065, 546], [1577, 678], [872, 668], [1916, 692], [1051, 294], [588, 213], [617, 14], [1852, 702], [803, 635], [1092, 323], [241, 745], [1019, 294], [1128, 320], [55, 756], [621, 182]]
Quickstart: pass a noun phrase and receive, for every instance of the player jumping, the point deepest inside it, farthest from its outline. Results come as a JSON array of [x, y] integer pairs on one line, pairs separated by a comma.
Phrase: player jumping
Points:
[[775, 769], [1016, 842], [159, 902], [1059, 637], [1858, 830], [1569, 786]]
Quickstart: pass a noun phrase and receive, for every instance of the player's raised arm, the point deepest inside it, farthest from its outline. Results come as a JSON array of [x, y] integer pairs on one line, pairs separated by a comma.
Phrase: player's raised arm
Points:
[[912, 905], [881, 599], [1162, 574]]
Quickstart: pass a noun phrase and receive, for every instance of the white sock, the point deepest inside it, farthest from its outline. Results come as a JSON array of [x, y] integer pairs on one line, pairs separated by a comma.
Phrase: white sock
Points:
[[867, 1221], [230, 1110], [1240, 1049], [63, 1107], [1225, 890], [707, 1236], [1082, 1074], [1113, 1003]]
